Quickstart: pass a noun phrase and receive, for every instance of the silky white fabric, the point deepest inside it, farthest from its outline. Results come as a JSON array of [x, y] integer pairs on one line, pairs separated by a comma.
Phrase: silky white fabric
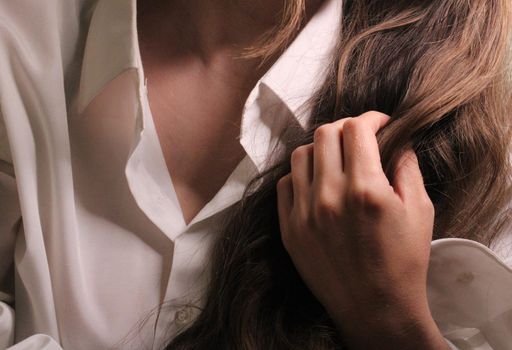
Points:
[[470, 294], [103, 242]]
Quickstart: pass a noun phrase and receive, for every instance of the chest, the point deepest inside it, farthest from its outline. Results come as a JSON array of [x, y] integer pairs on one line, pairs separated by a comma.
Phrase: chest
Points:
[[197, 118], [194, 117]]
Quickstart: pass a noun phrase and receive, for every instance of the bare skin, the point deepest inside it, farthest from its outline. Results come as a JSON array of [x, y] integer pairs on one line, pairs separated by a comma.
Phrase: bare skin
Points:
[[197, 89], [360, 243], [197, 85]]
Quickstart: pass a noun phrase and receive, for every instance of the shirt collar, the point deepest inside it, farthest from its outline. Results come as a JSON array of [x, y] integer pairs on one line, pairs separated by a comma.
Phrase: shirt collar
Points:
[[301, 69], [112, 47]]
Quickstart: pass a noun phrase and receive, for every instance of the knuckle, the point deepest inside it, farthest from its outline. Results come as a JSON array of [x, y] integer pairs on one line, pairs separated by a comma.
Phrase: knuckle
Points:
[[283, 182], [374, 114], [341, 122], [322, 131], [298, 154], [352, 126]]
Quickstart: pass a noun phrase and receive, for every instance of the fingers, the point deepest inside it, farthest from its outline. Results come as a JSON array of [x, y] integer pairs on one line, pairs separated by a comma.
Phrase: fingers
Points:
[[284, 200], [328, 150], [301, 174], [348, 145], [408, 181], [360, 148]]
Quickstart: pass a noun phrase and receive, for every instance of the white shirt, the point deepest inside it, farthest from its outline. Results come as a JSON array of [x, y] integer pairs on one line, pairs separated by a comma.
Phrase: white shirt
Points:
[[103, 241]]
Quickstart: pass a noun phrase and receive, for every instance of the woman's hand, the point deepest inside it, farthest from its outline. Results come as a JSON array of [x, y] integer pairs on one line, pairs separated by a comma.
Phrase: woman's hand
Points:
[[360, 243]]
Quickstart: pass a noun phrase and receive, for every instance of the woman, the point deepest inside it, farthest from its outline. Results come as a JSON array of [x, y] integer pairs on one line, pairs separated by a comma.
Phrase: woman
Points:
[[327, 249]]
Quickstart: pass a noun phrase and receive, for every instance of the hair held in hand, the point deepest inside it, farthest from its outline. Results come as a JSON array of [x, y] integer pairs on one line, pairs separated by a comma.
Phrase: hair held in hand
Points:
[[440, 69]]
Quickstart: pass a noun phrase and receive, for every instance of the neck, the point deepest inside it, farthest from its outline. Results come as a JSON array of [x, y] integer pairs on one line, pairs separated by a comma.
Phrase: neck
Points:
[[204, 28], [207, 35]]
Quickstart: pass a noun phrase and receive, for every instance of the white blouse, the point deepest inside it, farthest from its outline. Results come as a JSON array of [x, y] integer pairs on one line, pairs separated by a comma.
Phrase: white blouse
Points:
[[103, 242]]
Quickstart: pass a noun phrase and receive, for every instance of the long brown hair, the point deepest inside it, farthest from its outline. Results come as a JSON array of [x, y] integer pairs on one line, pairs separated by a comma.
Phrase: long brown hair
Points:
[[439, 69]]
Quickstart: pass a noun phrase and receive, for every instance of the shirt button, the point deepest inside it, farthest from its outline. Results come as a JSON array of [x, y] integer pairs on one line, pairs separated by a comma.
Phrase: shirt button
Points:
[[183, 316]]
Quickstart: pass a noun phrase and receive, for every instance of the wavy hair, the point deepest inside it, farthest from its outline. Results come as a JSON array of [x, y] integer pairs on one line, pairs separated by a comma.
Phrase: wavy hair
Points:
[[439, 68]]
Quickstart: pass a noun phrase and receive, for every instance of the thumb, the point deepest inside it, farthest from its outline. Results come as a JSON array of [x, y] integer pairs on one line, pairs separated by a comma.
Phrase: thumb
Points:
[[408, 181]]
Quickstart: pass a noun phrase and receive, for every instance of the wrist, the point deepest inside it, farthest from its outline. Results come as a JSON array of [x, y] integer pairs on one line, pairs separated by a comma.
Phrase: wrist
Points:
[[392, 326]]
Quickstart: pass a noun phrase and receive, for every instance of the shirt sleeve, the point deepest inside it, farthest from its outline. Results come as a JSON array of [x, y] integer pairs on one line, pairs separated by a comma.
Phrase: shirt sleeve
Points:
[[37, 342], [451, 345], [469, 291], [34, 342], [10, 216]]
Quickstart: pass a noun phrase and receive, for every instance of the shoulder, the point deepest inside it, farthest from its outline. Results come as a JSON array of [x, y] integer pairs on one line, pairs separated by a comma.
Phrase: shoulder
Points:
[[32, 16], [39, 32], [41, 46]]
